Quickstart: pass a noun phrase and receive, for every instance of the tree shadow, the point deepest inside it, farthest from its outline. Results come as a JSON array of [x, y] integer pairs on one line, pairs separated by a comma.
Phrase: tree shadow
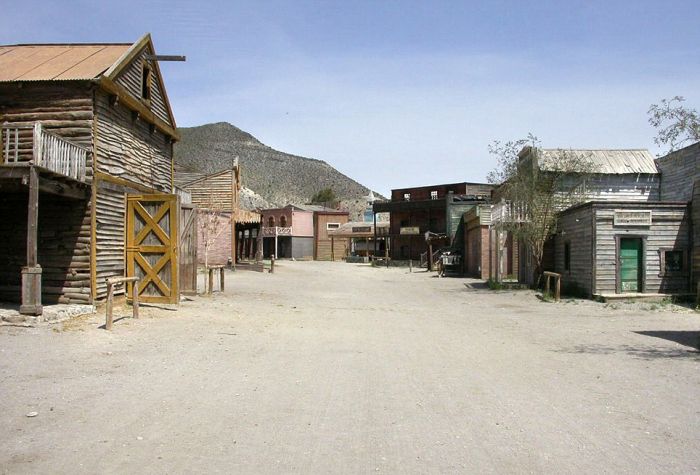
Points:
[[641, 352]]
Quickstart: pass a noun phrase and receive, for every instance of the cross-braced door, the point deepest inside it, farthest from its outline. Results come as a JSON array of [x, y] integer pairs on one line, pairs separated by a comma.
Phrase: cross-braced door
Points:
[[151, 246]]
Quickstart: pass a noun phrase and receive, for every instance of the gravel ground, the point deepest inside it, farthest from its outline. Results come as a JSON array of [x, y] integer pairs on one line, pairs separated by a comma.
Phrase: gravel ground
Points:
[[343, 368]]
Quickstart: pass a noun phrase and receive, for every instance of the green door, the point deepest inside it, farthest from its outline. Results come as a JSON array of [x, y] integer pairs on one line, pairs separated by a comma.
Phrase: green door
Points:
[[630, 264]]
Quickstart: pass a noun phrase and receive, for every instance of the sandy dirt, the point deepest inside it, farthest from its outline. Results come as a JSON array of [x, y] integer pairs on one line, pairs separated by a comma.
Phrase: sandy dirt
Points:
[[343, 368]]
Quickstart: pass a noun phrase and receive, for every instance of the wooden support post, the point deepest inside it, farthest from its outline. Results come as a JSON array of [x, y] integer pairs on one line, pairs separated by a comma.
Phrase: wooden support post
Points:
[[31, 274], [557, 284], [332, 249], [210, 288], [430, 257], [221, 279], [135, 299], [546, 285], [557, 288], [272, 264], [109, 317]]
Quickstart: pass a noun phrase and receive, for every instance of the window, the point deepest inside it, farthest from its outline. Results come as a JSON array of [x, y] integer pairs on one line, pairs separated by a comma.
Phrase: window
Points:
[[146, 80], [330, 226], [434, 195], [271, 222], [407, 196], [673, 261], [283, 221], [567, 256]]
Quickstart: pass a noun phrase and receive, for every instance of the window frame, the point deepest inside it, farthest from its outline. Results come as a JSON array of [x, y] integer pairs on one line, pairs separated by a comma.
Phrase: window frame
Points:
[[335, 226], [662, 262]]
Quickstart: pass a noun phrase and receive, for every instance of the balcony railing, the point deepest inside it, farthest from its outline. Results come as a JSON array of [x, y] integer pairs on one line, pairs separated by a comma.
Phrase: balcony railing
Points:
[[272, 231], [34, 144], [508, 212]]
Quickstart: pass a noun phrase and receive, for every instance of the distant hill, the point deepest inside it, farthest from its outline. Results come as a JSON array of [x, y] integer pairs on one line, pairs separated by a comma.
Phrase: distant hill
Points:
[[278, 178]]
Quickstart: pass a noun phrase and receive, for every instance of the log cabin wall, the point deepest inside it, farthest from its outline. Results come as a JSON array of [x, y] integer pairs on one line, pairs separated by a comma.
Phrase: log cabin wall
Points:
[[63, 108], [63, 247]]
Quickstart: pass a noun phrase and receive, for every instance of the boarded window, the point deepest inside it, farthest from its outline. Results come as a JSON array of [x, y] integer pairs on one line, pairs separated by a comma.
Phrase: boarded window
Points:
[[673, 261], [332, 226], [283, 221], [271, 222]]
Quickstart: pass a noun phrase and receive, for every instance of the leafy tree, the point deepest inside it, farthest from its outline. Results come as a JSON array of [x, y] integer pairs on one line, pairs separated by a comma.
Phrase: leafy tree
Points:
[[535, 186], [675, 124], [325, 196]]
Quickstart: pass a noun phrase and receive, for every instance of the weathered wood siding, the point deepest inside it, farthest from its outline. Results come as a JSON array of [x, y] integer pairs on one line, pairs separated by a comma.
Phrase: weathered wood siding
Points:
[[632, 187], [575, 228], [111, 219], [13, 245], [679, 170], [129, 148], [217, 225], [65, 109], [670, 229], [130, 78], [324, 250], [214, 192]]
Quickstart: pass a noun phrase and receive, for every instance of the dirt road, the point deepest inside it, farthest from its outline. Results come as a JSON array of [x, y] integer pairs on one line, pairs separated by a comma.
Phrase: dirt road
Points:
[[341, 368]]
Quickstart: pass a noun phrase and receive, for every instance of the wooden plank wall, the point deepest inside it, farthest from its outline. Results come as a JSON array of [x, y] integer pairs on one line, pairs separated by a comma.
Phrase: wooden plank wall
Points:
[[131, 78], [127, 148], [575, 227], [65, 109], [679, 170], [632, 187], [109, 234], [213, 192], [670, 229], [323, 240]]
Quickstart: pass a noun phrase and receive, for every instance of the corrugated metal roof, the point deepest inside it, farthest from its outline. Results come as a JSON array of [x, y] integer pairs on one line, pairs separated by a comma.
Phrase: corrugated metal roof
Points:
[[57, 62], [614, 162]]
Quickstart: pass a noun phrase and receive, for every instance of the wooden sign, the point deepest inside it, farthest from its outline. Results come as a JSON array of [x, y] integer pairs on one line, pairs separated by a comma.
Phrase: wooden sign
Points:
[[410, 230], [632, 217]]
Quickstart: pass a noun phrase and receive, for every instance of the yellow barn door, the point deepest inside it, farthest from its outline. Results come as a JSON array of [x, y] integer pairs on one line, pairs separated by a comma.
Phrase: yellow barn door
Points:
[[152, 246]]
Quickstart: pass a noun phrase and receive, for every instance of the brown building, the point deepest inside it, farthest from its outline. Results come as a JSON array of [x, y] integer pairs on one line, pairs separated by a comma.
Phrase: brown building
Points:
[[437, 209], [86, 173]]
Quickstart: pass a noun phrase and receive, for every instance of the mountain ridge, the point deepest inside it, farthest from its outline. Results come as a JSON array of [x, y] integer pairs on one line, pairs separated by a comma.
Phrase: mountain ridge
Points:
[[280, 178]]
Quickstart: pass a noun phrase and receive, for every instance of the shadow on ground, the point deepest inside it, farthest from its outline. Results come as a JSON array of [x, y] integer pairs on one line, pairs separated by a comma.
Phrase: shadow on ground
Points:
[[686, 338]]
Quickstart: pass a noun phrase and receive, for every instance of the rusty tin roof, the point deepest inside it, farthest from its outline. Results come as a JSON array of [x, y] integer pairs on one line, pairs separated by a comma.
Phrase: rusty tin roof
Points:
[[58, 62]]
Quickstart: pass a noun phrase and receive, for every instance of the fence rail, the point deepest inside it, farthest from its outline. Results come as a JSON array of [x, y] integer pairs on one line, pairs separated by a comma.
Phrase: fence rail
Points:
[[26, 143]]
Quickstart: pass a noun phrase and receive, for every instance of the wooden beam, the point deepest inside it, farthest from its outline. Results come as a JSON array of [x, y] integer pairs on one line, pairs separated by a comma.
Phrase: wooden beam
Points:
[[101, 176]]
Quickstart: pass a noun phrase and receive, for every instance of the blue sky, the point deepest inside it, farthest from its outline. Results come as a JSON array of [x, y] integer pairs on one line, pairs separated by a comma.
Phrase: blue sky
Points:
[[397, 94]]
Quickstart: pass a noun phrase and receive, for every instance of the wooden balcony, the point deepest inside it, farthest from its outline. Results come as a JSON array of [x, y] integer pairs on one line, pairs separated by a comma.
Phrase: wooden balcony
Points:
[[508, 212], [24, 145], [276, 231]]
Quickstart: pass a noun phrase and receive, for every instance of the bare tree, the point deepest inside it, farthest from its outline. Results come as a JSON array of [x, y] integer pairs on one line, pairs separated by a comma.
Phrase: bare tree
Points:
[[675, 124], [537, 185]]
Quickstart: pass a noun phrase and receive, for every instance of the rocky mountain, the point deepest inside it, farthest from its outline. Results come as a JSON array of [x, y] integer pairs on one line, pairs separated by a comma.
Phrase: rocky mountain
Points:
[[269, 176]]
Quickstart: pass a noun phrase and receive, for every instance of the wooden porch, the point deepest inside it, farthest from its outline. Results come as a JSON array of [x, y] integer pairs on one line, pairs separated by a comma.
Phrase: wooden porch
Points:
[[40, 169]]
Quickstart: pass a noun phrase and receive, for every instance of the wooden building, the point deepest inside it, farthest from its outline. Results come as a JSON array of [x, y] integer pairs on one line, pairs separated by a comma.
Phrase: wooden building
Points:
[[628, 247], [477, 250], [359, 238], [680, 181], [301, 232], [437, 209], [86, 185], [618, 176]]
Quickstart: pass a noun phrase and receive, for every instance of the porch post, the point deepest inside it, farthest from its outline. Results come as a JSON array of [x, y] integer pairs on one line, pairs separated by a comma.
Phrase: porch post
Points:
[[31, 274]]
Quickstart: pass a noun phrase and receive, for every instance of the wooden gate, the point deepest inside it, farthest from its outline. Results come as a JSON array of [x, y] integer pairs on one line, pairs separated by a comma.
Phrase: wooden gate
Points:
[[188, 249], [152, 246]]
